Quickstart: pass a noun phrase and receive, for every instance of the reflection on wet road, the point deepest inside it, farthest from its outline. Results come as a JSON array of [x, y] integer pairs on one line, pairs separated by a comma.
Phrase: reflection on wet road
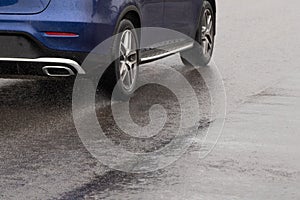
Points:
[[40, 146]]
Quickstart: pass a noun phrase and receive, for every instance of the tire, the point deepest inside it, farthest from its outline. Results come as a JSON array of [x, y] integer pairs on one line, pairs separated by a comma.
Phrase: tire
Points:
[[201, 53], [126, 68]]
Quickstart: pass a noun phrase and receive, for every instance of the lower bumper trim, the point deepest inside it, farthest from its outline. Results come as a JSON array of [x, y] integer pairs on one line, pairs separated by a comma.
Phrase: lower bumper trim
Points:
[[47, 61]]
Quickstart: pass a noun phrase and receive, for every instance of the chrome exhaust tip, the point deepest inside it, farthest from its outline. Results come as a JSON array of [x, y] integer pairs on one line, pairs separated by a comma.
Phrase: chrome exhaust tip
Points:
[[58, 71]]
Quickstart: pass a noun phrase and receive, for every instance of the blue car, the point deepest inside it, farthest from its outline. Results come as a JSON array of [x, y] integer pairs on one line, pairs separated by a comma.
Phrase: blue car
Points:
[[53, 37]]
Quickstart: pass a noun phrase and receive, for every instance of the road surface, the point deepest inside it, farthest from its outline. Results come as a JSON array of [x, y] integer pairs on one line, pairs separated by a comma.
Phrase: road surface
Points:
[[257, 156]]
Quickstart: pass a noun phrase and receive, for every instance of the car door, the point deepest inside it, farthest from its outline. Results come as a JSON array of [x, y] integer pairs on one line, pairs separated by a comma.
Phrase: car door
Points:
[[152, 13], [182, 15]]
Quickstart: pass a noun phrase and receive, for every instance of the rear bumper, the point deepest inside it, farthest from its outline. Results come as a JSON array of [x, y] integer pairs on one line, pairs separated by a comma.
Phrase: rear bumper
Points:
[[21, 54], [24, 44], [93, 23], [54, 67]]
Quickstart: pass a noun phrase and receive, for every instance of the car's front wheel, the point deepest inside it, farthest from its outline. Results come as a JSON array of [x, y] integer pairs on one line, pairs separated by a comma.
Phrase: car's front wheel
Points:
[[201, 54]]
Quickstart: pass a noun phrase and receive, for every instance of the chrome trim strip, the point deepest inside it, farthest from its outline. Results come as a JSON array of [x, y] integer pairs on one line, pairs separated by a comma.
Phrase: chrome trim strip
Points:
[[46, 71], [48, 60], [183, 48]]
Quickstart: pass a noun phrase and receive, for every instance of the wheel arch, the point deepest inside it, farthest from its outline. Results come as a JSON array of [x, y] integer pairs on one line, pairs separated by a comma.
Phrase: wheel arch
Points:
[[131, 13], [213, 4]]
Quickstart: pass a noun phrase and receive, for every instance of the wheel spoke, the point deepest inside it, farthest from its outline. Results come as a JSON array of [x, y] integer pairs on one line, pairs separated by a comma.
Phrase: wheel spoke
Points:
[[208, 21], [204, 43], [209, 28], [203, 30], [209, 45], [205, 19], [123, 50], [129, 77], [123, 70], [127, 41], [208, 38]]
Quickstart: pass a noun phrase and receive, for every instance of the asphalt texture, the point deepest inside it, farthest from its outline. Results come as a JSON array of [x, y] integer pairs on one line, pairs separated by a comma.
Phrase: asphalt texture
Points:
[[256, 157]]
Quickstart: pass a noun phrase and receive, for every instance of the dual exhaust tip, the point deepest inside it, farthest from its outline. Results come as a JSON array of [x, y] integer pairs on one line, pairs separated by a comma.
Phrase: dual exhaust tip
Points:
[[55, 67], [58, 71]]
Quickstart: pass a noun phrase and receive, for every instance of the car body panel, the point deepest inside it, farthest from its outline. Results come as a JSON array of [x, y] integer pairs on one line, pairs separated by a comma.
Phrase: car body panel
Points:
[[90, 22], [82, 18], [152, 13], [182, 16], [95, 20], [23, 6]]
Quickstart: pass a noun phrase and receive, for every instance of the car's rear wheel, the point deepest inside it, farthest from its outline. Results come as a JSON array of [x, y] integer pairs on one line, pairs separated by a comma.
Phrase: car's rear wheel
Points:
[[205, 37], [123, 73]]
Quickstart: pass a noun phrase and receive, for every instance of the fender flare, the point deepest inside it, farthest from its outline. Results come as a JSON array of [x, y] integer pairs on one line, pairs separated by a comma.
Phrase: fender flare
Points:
[[124, 12]]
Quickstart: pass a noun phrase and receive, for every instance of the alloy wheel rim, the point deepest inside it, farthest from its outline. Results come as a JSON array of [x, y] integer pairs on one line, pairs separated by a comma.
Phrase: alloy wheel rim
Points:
[[207, 33], [128, 60]]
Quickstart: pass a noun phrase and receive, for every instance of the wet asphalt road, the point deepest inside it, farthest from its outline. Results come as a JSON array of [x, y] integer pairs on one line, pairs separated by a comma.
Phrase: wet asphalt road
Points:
[[257, 156]]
